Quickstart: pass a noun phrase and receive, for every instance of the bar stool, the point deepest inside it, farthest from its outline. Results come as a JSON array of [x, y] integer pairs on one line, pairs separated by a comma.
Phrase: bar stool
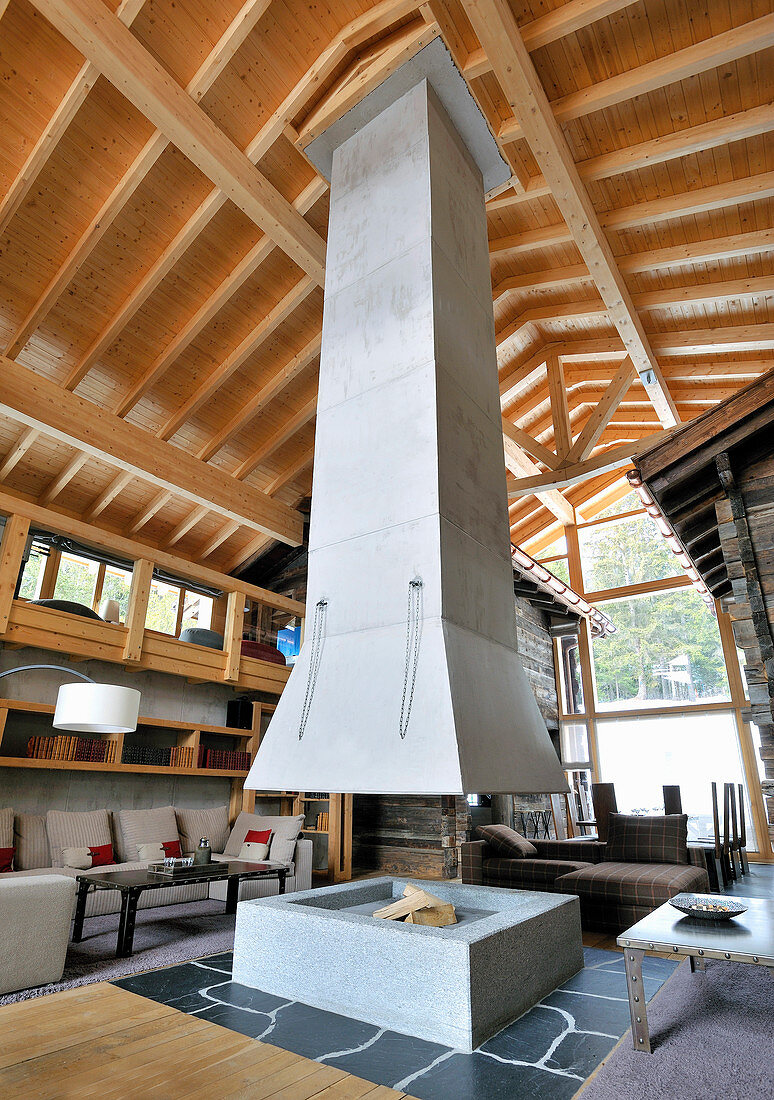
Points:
[[742, 832]]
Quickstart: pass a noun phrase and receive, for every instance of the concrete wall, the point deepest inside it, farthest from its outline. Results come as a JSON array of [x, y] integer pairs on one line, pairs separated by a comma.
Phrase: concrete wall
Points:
[[163, 696]]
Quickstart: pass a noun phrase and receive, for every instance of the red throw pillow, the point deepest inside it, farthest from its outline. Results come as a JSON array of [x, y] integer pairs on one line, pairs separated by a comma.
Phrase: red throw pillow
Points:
[[101, 855], [171, 849], [257, 836], [6, 859]]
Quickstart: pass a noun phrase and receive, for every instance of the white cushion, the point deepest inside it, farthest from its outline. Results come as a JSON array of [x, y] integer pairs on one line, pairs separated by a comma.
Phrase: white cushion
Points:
[[80, 858], [253, 852], [150, 851]]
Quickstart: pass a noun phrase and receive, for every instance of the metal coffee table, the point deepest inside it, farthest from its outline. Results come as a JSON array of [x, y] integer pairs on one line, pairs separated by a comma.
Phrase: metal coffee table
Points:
[[748, 938], [133, 883]]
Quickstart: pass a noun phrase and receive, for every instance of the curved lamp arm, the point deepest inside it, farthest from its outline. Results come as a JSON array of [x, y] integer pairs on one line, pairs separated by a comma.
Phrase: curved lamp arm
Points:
[[57, 668]]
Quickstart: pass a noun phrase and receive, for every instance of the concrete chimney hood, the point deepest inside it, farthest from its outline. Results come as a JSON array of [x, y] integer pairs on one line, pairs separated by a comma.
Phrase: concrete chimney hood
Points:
[[408, 681]]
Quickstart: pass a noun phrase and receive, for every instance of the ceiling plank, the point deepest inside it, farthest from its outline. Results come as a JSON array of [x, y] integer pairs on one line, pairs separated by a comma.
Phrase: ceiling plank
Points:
[[91, 28], [65, 112], [741, 41], [498, 33], [257, 336], [603, 411], [270, 389], [244, 270], [133, 177], [36, 401]]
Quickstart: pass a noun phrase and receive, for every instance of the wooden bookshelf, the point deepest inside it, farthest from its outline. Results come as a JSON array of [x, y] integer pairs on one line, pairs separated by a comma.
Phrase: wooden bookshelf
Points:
[[92, 766], [338, 833]]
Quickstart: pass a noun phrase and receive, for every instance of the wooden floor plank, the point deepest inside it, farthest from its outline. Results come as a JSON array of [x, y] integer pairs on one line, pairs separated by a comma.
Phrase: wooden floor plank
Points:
[[101, 1042]]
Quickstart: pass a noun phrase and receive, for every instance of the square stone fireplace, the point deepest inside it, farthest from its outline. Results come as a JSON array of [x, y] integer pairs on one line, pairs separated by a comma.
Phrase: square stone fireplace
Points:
[[456, 985]]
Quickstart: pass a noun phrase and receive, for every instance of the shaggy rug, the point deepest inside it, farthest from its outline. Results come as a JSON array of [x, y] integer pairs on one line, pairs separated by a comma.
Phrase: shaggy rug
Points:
[[711, 1036], [162, 937]]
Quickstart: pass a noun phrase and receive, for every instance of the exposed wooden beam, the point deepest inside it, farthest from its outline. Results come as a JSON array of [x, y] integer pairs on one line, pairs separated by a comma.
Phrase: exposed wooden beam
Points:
[[559, 311], [233, 282], [232, 635], [706, 292], [39, 403], [530, 240], [560, 413], [146, 514], [600, 416], [526, 442], [139, 594], [185, 525], [715, 248], [49, 138], [514, 376], [291, 471], [107, 495], [741, 41], [268, 391], [91, 28], [63, 478], [13, 542], [67, 523], [282, 435], [520, 464], [17, 452], [228, 44], [698, 200], [257, 336], [573, 473], [532, 280], [498, 33], [221, 535], [247, 551]]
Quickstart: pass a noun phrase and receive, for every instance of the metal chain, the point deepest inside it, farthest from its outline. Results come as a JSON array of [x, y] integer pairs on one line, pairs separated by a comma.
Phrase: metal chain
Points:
[[413, 635], [315, 654]]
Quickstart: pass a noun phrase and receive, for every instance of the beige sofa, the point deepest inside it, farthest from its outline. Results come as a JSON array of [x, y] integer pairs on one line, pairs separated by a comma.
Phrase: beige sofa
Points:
[[40, 840], [49, 899]]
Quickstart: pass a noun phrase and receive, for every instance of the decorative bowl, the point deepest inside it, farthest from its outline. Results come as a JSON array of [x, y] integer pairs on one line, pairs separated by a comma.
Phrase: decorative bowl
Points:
[[708, 906]]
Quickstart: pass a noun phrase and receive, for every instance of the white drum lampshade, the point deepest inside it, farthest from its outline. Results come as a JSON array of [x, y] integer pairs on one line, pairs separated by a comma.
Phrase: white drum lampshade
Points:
[[97, 708], [110, 611]]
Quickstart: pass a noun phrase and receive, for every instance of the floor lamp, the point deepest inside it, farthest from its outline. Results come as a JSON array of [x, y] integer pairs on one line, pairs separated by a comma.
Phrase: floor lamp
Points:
[[90, 707]]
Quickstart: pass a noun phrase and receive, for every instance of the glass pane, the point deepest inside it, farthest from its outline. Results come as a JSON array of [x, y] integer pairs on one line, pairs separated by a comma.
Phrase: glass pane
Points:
[[666, 651], [575, 743], [116, 587], [570, 682], [763, 743], [558, 567], [639, 755], [289, 641], [628, 551], [625, 504], [580, 795], [556, 549], [32, 577], [76, 579], [197, 611], [162, 607]]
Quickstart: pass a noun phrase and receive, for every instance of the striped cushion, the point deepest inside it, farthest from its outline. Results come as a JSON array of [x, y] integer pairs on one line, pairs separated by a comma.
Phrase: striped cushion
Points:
[[632, 839], [506, 842], [146, 827], [192, 825], [285, 832], [31, 842], [81, 829], [6, 828]]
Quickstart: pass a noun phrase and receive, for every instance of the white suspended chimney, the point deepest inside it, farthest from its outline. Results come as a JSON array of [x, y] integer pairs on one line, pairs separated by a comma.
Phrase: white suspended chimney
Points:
[[408, 680]]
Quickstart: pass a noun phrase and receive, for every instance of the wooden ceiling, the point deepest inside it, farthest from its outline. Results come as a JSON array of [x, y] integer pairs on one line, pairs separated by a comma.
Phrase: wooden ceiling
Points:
[[162, 243]]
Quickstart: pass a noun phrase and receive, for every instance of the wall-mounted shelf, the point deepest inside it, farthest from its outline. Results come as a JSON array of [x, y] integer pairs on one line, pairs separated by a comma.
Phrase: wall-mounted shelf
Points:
[[90, 766], [22, 706], [338, 833]]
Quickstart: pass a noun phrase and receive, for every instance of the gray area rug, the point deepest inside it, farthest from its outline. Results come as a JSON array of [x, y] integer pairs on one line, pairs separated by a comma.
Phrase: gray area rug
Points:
[[163, 937], [711, 1036]]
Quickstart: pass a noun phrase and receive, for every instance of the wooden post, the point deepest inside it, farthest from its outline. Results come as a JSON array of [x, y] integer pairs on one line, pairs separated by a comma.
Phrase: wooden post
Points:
[[12, 548], [50, 573], [232, 645], [139, 594]]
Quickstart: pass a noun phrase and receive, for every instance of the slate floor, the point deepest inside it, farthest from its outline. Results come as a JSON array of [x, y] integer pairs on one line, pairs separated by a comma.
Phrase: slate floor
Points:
[[544, 1055]]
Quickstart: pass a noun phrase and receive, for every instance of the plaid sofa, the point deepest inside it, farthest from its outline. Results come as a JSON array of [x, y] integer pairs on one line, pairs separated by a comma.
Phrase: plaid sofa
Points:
[[613, 896]]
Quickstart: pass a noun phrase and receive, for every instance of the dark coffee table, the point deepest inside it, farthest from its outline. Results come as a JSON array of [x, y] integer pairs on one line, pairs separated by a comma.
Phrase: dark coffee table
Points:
[[133, 883], [748, 938]]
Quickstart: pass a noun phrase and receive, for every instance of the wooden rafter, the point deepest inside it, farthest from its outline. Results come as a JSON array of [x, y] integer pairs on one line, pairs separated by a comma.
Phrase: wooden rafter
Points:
[[602, 413], [118, 55], [40, 404]]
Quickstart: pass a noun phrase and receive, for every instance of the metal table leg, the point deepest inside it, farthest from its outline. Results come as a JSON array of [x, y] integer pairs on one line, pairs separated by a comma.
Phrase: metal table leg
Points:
[[633, 962], [281, 878], [232, 894], [80, 911], [129, 899]]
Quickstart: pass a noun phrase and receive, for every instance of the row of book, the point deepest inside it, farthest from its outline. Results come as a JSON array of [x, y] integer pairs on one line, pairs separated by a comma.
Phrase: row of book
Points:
[[322, 822], [95, 750], [66, 746]]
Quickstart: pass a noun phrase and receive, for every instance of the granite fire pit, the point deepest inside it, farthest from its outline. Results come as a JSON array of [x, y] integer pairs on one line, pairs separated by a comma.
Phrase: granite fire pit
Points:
[[456, 985]]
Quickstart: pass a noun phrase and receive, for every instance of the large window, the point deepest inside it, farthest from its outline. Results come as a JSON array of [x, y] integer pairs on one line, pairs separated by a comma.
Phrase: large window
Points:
[[624, 552], [76, 579], [32, 577], [116, 586], [641, 754], [666, 651], [162, 607]]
